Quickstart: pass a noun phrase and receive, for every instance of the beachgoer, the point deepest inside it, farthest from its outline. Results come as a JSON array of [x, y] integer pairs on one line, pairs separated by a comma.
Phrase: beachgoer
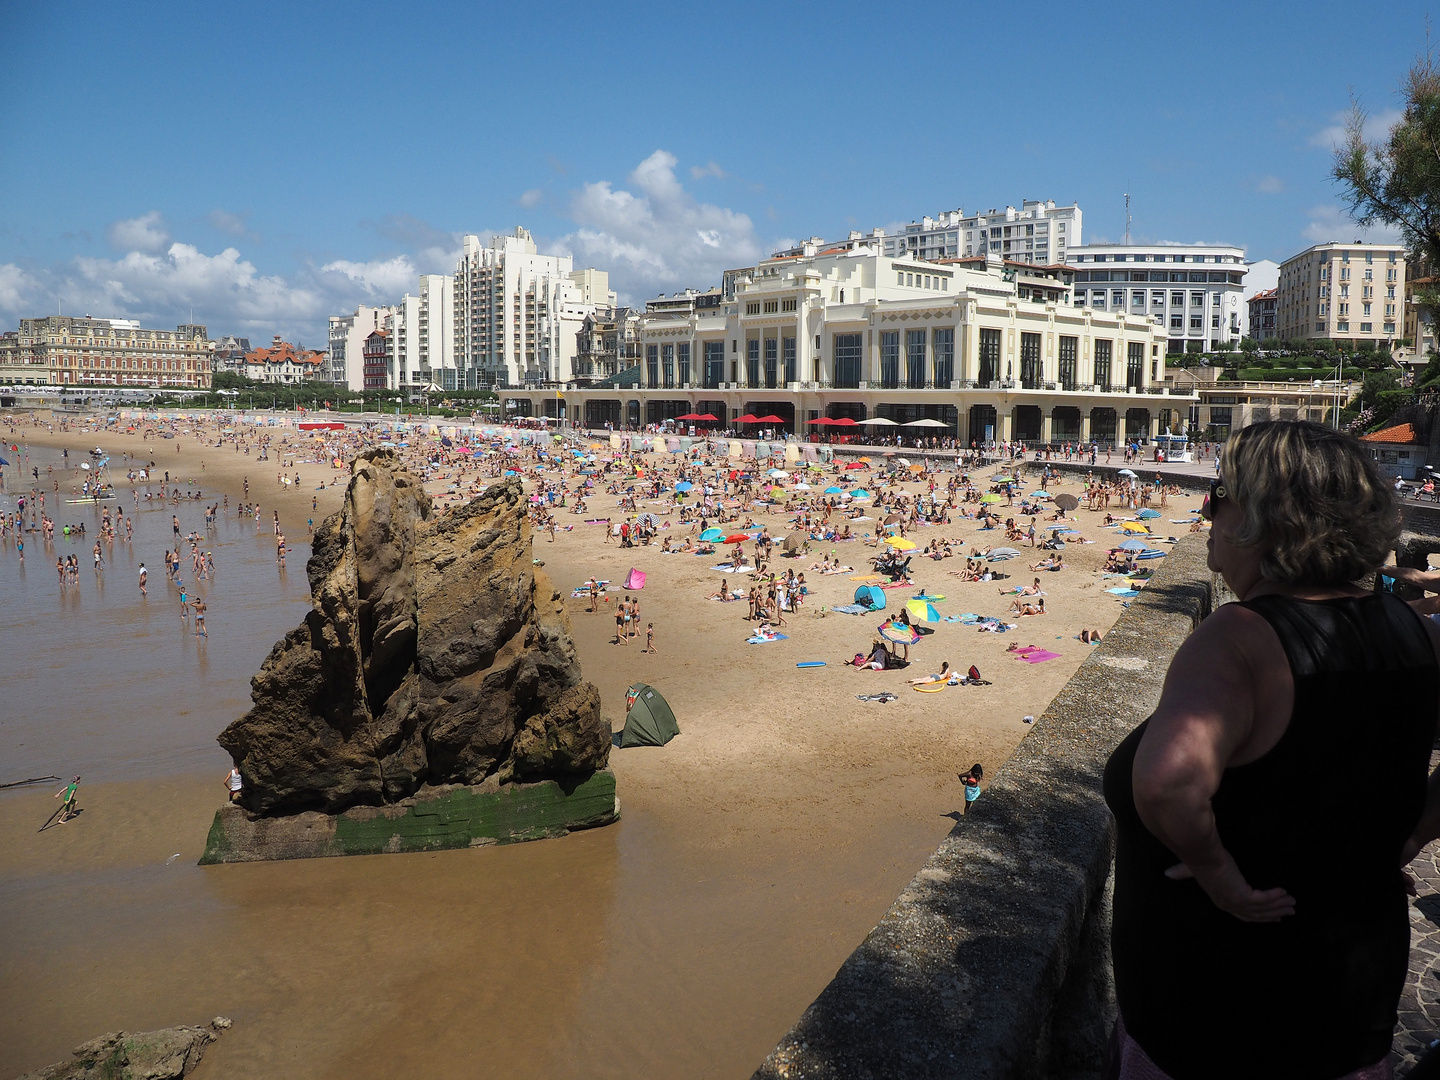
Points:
[[67, 808], [971, 780], [650, 638], [234, 783], [144, 576]]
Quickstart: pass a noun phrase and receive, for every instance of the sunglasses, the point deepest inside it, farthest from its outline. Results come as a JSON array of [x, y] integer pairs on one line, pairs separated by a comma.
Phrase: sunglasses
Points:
[[1217, 493]]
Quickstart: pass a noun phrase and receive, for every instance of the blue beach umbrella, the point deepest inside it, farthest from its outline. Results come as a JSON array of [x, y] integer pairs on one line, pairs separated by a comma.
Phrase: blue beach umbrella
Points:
[[684, 485], [860, 493], [1147, 514], [1134, 545], [712, 535], [832, 491]]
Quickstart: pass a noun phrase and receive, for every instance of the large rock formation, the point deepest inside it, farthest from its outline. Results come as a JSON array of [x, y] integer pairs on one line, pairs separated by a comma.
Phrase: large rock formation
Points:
[[435, 653], [168, 1054]]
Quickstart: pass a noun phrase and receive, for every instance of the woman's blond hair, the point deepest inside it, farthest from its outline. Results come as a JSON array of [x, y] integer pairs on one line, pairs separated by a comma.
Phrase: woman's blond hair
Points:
[[1313, 502]]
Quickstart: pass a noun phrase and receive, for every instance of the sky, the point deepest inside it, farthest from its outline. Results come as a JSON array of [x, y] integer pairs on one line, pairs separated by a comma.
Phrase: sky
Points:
[[257, 167]]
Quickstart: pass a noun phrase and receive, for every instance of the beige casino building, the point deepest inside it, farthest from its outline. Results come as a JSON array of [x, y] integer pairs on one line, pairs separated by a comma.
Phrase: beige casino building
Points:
[[991, 350]]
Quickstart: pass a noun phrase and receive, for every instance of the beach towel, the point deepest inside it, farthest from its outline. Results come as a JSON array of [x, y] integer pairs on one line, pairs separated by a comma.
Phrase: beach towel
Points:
[[758, 640], [851, 609], [1033, 654], [885, 696], [1124, 592]]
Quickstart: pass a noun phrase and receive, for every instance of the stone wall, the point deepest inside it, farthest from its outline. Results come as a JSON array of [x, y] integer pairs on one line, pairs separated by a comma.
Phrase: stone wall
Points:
[[994, 961]]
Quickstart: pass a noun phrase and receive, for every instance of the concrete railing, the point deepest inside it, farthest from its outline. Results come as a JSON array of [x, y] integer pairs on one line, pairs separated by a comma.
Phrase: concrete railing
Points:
[[994, 962]]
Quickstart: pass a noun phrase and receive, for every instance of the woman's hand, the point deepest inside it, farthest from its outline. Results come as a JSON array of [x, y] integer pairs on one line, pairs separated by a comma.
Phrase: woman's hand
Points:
[[1230, 892]]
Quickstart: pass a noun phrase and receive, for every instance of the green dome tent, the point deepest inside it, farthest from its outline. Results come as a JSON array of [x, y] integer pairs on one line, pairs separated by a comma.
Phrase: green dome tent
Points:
[[648, 719]]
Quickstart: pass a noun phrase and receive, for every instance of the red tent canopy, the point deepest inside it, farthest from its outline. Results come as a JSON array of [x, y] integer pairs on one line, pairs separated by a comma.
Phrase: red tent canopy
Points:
[[843, 421], [707, 416], [746, 419], [820, 421], [768, 420], [689, 416]]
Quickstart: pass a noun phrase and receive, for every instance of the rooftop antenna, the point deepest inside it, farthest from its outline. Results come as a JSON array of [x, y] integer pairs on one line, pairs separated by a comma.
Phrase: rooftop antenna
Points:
[[1127, 219]]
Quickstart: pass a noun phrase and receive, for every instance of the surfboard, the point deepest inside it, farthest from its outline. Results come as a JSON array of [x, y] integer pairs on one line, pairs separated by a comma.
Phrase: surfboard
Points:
[[811, 663]]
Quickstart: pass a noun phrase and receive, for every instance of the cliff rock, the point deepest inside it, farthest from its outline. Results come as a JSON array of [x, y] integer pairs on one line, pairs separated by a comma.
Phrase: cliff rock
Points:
[[434, 652]]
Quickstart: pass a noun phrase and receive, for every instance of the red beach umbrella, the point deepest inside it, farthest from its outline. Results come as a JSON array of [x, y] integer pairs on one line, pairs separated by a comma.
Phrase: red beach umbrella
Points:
[[738, 538]]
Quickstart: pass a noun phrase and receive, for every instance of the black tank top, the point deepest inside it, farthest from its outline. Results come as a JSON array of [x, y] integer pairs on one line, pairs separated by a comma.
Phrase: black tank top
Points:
[[1323, 814]]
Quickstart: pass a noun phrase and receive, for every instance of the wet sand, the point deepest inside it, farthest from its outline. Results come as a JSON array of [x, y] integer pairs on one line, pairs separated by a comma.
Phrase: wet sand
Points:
[[754, 852]]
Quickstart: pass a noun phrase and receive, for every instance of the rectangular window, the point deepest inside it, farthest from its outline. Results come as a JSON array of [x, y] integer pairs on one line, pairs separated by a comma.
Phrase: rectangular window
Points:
[[1157, 299], [787, 305], [787, 356], [714, 364], [1365, 327], [1117, 299], [1177, 299], [915, 359], [1135, 364], [1030, 359], [1137, 299], [772, 307], [847, 355], [684, 355], [1197, 322], [772, 362], [667, 365], [1342, 327], [889, 359], [1103, 351], [1197, 299], [752, 361], [944, 350], [989, 357], [1069, 353], [652, 365], [752, 308]]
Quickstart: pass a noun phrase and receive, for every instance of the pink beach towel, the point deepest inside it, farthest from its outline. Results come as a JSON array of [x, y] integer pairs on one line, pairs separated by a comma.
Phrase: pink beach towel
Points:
[[1034, 655]]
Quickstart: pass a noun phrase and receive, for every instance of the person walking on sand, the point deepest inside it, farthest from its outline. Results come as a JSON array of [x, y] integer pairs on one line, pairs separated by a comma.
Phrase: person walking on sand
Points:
[[67, 808], [971, 780], [234, 783], [650, 638], [200, 630], [144, 575]]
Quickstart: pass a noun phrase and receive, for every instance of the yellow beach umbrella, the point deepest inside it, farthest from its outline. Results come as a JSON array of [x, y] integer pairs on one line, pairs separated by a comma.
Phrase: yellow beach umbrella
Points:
[[899, 543]]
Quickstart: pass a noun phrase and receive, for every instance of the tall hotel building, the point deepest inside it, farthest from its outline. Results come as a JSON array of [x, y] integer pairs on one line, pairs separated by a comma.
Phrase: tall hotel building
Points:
[[1343, 292]]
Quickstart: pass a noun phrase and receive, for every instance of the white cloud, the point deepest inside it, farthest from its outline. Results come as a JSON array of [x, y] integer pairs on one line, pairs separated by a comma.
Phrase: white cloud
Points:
[[700, 172], [1329, 223], [17, 288], [1268, 185], [228, 223], [144, 233], [657, 238], [386, 278], [1377, 126], [531, 198]]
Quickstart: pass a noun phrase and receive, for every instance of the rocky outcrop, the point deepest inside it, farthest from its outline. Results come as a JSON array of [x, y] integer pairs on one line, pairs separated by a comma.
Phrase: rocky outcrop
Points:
[[168, 1054], [434, 653]]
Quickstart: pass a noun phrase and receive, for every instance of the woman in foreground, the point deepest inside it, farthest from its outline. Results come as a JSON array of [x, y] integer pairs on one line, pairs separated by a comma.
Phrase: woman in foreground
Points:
[[1261, 924]]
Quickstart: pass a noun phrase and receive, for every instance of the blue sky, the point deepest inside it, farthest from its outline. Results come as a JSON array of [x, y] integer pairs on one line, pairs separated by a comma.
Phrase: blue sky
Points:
[[266, 165]]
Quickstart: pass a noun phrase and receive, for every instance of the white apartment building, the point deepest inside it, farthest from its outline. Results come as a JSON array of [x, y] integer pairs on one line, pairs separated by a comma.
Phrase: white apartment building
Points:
[[1039, 232], [346, 362], [517, 312], [989, 351], [1343, 292], [1194, 292], [420, 350]]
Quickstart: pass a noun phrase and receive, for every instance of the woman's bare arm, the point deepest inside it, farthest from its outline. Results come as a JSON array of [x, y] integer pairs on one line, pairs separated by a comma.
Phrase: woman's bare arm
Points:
[[1207, 713]]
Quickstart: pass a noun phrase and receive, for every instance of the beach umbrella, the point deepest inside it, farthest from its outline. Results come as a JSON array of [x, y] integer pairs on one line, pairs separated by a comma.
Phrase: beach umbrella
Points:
[[863, 460], [738, 538], [792, 542], [1134, 526], [711, 535], [903, 461], [899, 543], [648, 519], [769, 420], [990, 497], [820, 421], [832, 491], [746, 419], [1148, 514], [853, 465], [1127, 472], [899, 633], [683, 486], [927, 422], [879, 421], [917, 468], [815, 465], [922, 609], [1000, 554], [1133, 545], [778, 473], [1067, 502], [802, 486], [860, 493], [844, 421], [1039, 495]]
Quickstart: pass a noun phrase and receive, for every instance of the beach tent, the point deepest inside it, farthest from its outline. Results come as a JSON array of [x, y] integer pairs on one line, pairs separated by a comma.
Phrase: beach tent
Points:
[[649, 720], [870, 596], [635, 579]]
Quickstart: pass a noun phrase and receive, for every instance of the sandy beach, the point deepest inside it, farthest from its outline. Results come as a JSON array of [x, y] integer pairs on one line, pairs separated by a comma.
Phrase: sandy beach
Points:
[[755, 850]]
